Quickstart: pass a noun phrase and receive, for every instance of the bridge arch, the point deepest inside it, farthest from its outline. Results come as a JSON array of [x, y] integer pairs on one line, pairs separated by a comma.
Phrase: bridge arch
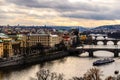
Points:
[[118, 42], [99, 36], [110, 42], [115, 52], [103, 50], [106, 42], [100, 43], [101, 53]]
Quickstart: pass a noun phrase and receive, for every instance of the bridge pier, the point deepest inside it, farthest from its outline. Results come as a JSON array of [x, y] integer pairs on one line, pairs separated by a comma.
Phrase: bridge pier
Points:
[[104, 37], [104, 42], [116, 53], [115, 42], [91, 53], [95, 37]]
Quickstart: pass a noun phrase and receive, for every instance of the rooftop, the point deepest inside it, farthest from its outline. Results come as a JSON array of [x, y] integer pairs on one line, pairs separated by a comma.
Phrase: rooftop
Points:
[[2, 35]]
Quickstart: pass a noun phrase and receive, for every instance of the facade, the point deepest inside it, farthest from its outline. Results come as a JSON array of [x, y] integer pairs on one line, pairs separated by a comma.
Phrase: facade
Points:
[[16, 47], [7, 46], [67, 39], [18, 43], [54, 39], [22, 39], [47, 40], [1, 48], [19, 38]]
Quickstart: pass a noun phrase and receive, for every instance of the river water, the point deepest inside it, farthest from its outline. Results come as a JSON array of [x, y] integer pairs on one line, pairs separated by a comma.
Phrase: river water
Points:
[[69, 66]]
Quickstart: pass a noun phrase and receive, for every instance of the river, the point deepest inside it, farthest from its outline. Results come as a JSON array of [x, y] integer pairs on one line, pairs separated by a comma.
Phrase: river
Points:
[[69, 66]]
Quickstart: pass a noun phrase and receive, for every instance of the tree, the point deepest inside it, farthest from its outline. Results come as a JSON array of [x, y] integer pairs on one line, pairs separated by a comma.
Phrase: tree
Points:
[[47, 75], [110, 78], [93, 74], [61, 46], [115, 77], [39, 47], [77, 78]]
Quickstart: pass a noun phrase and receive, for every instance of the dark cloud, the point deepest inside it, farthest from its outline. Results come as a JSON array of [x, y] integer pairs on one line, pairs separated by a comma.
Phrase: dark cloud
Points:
[[92, 15], [86, 10], [60, 5]]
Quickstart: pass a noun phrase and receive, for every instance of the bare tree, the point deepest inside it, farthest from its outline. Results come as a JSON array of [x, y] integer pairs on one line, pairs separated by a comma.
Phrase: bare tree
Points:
[[47, 75], [110, 78], [93, 74], [77, 78]]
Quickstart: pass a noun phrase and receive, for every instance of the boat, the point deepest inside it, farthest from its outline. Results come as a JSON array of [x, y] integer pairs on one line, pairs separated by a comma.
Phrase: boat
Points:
[[103, 61]]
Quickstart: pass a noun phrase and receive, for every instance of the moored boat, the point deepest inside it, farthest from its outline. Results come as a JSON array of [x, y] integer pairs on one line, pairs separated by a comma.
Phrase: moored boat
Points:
[[103, 61]]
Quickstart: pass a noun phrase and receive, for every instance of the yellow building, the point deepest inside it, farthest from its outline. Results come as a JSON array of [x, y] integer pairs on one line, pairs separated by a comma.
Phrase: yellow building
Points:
[[19, 38], [1, 48], [18, 43], [22, 39], [7, 46], [45, 39]]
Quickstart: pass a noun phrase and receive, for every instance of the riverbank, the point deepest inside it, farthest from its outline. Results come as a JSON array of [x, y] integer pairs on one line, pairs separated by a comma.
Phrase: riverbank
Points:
[[31, 59]]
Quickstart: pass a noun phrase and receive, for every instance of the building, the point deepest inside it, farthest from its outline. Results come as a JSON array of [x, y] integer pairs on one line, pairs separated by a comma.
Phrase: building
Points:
[[22, 39], [54, 39], [1, 48], [16, 47], [18, 43], [47, 40], [7, 45]]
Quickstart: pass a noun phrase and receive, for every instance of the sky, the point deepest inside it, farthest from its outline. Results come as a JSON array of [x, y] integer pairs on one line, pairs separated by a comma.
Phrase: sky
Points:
[[86, 13]]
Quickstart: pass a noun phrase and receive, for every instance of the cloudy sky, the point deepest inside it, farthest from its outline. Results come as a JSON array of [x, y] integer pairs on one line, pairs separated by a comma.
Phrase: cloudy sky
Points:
[[87, 13]]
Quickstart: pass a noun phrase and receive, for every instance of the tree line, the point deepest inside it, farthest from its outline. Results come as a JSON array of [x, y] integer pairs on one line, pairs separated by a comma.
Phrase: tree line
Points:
[[91, 74]]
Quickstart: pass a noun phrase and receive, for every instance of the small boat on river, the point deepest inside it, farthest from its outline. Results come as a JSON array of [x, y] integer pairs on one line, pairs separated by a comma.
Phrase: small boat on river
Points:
[[103, 61]]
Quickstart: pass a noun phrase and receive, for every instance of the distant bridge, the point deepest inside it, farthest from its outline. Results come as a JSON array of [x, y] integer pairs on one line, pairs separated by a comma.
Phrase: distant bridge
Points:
[[105, 41], [99, 35]]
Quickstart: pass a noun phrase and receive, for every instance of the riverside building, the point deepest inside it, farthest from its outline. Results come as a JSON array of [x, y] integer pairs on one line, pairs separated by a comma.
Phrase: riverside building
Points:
[[1, 48], [47, 40], [6, 45]]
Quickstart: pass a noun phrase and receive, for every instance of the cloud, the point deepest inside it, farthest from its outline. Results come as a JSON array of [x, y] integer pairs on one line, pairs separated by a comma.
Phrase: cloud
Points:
[[87, 9], [60, 5], [106, 15], [47, 10]]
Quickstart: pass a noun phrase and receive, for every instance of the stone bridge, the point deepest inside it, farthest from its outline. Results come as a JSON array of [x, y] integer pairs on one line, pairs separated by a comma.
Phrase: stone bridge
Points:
[[91, 51], [105, 41]]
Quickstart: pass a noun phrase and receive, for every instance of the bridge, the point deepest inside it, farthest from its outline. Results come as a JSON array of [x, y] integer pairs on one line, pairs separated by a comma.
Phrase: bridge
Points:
[[99, 35], [93, 47], [105, 41], [91, 51]]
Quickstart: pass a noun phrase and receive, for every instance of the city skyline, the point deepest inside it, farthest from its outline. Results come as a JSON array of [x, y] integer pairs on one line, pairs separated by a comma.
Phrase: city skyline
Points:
[[86, 13]]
